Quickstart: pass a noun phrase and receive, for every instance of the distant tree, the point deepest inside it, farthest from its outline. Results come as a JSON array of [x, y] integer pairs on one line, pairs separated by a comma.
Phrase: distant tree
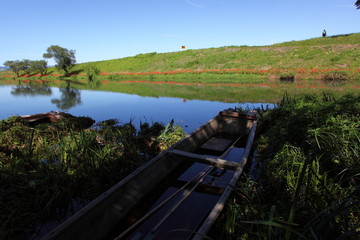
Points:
[[357, 4], [64, 58], [31, 90], [39, 66], [15, 66], [26, 66]]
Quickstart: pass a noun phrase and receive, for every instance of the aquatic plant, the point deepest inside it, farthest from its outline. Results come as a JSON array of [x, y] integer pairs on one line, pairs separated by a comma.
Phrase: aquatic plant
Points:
[[169, 136]]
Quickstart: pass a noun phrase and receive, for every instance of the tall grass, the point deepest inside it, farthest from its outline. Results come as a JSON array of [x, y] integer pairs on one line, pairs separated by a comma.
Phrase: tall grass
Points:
[[309, 187], [49, 171]]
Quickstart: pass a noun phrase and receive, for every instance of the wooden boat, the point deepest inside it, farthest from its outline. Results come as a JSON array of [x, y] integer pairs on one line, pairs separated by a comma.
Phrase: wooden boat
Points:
[[53, 116], [178, 194]]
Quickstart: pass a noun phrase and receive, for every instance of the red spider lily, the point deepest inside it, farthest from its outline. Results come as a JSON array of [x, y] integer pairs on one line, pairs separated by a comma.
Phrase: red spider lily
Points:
[[231, 70], [315, 70]]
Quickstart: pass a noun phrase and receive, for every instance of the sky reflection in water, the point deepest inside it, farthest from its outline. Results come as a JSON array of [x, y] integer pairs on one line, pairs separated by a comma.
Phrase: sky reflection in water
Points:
[[100, 105]]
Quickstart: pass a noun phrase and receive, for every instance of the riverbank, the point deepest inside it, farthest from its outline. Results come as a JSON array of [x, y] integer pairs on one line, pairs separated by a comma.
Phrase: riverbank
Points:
[[51, 170], [304, 182], [261, 73], [326, 59], [232, 75], [333, 52], [223, 90]]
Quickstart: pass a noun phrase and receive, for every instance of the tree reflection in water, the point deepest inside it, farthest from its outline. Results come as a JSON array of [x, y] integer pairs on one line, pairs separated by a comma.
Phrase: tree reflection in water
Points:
[[70, 97], [30, 89]]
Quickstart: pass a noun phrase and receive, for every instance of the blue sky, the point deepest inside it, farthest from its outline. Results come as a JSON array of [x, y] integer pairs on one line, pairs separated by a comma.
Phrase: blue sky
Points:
[[109, 29]]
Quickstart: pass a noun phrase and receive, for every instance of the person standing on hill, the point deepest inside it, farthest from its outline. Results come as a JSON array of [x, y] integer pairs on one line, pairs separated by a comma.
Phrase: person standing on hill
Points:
[[324, 33]]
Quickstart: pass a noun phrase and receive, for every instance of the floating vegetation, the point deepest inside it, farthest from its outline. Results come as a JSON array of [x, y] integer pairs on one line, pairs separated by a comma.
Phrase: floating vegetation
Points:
[[48, 171]]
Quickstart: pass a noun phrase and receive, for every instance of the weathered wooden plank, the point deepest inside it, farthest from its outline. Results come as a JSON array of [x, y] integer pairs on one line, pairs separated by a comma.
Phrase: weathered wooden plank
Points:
[[217, 144], [216, 162]]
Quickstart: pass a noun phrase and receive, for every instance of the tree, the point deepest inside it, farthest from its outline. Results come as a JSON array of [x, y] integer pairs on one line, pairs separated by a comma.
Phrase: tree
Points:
[[26, 66], [31, 90], [39, 66], [15, 66], [357, 4], [64, 58]]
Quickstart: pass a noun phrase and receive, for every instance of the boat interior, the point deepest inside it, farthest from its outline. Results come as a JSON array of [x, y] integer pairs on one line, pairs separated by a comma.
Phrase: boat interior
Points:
[[172, 195]]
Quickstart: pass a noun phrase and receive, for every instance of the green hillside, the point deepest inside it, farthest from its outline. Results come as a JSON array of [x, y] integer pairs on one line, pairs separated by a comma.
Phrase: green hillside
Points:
[[342, 51]]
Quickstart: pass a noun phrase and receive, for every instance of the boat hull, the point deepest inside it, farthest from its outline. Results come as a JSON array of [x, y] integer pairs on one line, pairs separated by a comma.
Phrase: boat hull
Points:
[[98, 219]]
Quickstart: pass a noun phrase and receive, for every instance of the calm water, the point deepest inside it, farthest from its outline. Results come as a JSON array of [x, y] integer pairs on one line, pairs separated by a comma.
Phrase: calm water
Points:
[[100, 105]]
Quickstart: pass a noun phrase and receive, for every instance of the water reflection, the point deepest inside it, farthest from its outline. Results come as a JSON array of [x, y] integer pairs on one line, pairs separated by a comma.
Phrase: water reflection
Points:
[[70, 97], [31, 89], [103, 105]]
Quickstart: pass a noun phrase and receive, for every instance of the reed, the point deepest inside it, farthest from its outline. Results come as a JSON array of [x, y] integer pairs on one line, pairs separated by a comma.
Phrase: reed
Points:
[[50, 171], [309, 187]]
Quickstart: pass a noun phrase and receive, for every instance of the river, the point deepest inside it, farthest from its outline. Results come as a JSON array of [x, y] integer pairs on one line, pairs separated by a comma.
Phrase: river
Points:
[[102, 105]]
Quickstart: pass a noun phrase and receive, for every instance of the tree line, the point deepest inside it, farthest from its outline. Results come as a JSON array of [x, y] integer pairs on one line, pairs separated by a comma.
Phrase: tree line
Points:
[[27, 66], [64, 58]]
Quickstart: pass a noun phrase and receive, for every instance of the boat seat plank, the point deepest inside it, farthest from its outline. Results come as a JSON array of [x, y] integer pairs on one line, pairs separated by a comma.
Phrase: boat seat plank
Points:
[[217, 144], [216, 162]]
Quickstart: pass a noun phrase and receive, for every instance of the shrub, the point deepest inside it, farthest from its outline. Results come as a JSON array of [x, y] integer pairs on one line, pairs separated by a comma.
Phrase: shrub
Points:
[[335, 77]]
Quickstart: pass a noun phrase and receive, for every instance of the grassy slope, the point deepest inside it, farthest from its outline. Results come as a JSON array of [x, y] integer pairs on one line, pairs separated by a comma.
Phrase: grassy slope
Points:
[[341, 51]]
